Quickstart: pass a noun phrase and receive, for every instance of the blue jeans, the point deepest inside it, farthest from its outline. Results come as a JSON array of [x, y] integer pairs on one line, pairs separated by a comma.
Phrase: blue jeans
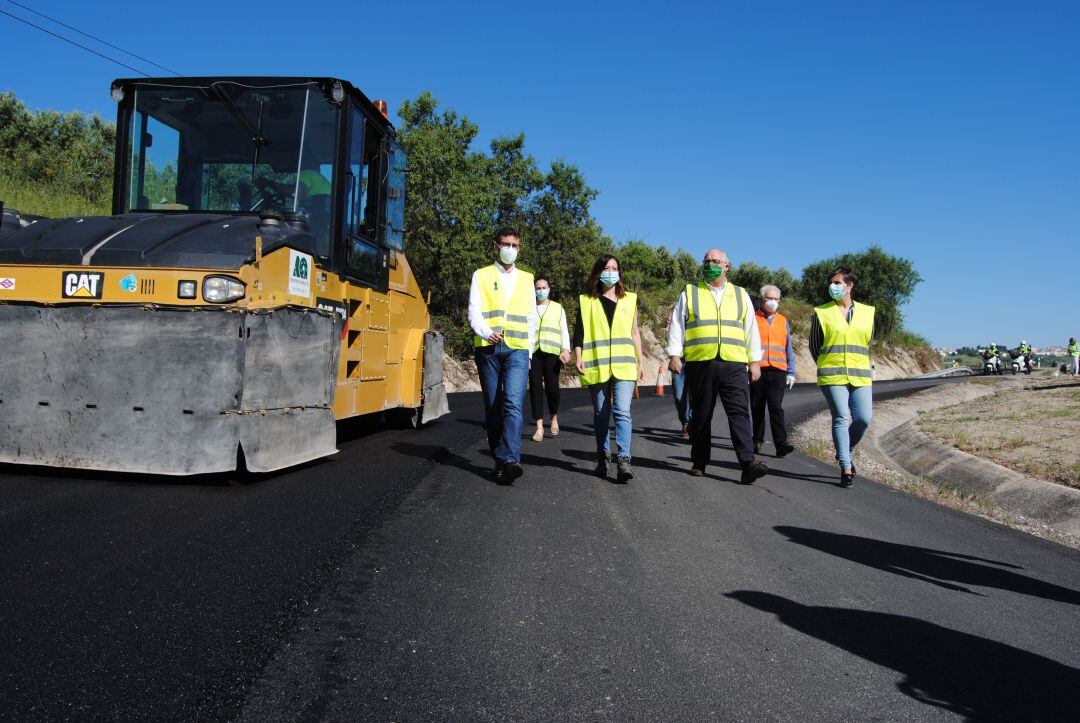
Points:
[[852, 408], [603, 410], [503, 372], [682, 395]]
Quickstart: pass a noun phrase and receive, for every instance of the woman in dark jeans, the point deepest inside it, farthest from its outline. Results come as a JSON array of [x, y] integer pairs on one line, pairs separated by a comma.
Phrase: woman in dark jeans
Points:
[[552, 350]]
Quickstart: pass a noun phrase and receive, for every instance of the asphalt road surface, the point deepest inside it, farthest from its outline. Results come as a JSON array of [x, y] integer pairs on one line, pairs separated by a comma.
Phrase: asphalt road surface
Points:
[[396, 581]]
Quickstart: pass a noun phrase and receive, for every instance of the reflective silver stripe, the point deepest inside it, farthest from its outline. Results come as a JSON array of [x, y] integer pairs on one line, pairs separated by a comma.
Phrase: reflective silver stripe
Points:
[[843, 349], [776, 348], [696, 302], [700, 322], [516, 334], [706, 340], [549, 334], [735, 324], [612, 360], [497, 329], [843, 371], [517, 318], [738, 300], [602, 342], [493, 314]]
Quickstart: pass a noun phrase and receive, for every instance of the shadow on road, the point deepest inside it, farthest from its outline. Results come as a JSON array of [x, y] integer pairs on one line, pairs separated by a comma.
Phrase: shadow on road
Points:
[[949, 570], [971, 676], [441, 455]]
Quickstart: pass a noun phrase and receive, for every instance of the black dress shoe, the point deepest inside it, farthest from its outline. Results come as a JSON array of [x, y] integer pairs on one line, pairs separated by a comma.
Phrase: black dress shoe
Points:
[[846, 479], [853, 473], [497, 471], [697, 472], [783, 450], [752, 471], [511, 471]]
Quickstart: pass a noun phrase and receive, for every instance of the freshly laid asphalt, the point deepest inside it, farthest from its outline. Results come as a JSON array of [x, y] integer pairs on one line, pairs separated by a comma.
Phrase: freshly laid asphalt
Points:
[[396, 581]]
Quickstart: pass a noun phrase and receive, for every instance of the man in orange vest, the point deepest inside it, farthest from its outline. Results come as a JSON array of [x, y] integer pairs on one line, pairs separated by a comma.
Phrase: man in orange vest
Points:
[[777, 372]]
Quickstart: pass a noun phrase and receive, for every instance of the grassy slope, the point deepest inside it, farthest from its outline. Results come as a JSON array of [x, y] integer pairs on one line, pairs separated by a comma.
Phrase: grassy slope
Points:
[[48, 201]]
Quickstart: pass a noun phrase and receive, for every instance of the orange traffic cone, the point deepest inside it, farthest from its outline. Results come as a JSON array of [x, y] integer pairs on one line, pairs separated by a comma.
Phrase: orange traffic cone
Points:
[[660, 381]]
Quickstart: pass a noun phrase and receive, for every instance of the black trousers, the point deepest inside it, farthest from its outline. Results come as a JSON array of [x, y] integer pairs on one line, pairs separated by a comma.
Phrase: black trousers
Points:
[[729, 381], [544, 379], [769, 390]]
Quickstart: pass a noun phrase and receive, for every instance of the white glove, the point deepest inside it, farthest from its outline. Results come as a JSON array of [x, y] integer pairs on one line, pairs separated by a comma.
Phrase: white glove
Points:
[[790, 381]]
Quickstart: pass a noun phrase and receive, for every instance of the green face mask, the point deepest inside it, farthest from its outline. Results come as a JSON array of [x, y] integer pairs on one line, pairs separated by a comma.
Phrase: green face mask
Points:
[[712, 271]]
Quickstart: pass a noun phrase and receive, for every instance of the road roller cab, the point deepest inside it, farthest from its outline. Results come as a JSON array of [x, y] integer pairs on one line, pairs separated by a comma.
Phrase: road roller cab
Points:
[[249, 289]]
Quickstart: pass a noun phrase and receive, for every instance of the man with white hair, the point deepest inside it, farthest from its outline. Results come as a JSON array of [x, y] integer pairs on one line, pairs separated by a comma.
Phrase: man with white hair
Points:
[[777, 372], [713, 329]]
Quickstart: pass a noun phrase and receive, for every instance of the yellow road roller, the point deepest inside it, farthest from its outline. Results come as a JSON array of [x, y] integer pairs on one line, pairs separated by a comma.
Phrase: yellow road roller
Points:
[[249, 289]]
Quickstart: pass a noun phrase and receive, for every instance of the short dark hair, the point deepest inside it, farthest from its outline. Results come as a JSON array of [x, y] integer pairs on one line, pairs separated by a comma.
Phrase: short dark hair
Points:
[[505, 231], [593, 287], [541, 277], [848, 274]]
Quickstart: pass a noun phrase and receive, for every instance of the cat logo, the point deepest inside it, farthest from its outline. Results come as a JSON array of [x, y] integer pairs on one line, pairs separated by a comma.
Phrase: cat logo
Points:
[[83, 284]]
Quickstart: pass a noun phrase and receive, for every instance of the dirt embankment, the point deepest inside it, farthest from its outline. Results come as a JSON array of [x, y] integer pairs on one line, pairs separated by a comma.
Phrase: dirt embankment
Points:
[[890, 363], [1034, 429]]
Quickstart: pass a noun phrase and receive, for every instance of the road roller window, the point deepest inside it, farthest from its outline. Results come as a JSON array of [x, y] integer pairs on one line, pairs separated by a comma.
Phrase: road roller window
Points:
[[225, 147]]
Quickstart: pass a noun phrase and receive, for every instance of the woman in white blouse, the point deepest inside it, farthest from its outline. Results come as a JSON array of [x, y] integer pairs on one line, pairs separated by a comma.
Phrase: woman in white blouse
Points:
[[552, 350]]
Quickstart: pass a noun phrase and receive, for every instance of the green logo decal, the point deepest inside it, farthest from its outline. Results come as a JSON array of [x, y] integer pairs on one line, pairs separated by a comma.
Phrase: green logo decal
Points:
[[300, 268]]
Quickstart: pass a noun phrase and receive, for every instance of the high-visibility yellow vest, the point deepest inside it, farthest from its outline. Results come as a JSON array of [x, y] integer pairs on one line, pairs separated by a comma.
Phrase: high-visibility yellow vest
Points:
[[844, 357], [512, 322], [773, 340], [608, 351], [549, 338], [1074, 349], [713, 331]]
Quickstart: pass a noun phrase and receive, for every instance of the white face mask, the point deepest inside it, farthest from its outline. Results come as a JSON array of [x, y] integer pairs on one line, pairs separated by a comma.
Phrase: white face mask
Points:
[[508, 254], [772, 305]]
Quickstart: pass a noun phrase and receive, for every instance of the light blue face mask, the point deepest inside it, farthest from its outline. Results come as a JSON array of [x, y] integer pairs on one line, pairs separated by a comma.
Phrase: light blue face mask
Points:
[[609, 278], [542, 294], [836, 291]]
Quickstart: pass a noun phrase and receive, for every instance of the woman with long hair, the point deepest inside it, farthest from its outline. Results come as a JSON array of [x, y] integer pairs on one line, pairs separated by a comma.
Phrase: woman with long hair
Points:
[[607, 349], [551, 351]]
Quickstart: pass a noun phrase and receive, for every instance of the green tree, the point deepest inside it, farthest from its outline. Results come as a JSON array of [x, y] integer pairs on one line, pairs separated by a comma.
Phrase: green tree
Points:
[[753, 276], [882, 280]]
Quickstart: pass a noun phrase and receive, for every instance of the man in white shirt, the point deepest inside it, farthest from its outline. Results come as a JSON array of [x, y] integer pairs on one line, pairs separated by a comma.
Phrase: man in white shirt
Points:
[[715, 366], [502, 314]]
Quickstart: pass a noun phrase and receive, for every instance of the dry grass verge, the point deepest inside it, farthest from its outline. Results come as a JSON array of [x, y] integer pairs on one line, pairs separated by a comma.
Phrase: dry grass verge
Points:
[[1034, 430]]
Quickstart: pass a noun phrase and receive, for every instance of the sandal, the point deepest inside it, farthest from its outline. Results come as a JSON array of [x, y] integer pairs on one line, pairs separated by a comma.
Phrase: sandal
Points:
[[553, 429], [538, 435]]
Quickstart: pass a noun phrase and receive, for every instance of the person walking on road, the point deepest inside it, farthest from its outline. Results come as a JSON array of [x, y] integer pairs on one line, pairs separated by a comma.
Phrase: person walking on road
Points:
[[777, 372], [551, 351], [680, 392], [607, 349], [840, 335], [713, 328], [502, 315], [1074, 356]]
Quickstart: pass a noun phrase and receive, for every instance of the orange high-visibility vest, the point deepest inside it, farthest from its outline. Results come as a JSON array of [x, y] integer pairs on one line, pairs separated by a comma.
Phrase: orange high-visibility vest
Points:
[[773, 341]]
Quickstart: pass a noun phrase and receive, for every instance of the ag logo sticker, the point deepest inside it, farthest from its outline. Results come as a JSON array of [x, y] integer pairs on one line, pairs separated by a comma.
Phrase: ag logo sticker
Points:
[[300, 268], [82, 284]]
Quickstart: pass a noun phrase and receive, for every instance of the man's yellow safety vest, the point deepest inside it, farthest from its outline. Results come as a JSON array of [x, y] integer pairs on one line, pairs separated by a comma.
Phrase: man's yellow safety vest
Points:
[[549, 339], [511, 320], [1074, 349], [844, 357], [608, 351], [715, 331]]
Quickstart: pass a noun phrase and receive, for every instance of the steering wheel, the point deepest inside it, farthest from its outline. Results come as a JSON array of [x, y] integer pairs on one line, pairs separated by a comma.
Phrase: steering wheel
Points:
[[271, 192]]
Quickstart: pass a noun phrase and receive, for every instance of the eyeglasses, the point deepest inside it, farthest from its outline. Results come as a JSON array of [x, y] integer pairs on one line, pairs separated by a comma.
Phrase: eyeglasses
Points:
[[509, 245], [717, 262]]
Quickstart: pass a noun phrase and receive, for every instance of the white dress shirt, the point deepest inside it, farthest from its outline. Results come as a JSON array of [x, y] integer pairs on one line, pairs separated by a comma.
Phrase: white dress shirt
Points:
[[677, 327], [476, 313], [541, 309]]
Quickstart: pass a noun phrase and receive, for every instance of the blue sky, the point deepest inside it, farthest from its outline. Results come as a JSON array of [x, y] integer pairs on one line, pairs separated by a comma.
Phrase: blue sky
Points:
[[784, 132]]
